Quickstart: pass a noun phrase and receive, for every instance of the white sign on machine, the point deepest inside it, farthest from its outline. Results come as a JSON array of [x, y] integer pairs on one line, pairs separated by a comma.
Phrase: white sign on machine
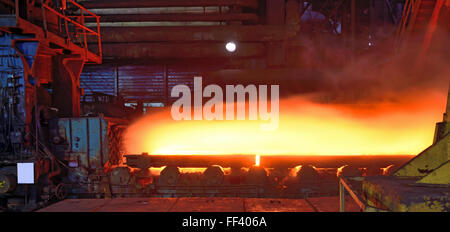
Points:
[[25, 173]]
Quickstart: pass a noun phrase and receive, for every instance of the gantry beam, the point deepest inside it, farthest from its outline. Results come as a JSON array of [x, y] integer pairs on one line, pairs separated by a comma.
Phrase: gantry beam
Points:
[[178, 17], [165, 3], [240, 33]]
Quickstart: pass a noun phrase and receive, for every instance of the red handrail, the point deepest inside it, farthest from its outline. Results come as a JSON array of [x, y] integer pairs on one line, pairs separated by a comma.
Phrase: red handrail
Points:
[[82, 8], [79, 22], [70, 20]]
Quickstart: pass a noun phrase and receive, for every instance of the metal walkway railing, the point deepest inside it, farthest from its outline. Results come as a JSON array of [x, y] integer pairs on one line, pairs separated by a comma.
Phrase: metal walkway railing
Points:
[[65, 19]]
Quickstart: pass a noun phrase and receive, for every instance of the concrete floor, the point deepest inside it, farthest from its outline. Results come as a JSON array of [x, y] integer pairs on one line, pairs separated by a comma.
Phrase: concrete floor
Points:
[[201, 204]]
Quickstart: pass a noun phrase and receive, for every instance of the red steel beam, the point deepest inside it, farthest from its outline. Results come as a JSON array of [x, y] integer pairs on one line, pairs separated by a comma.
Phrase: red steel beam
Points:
[[164, 3], [159, 50], [432, 25], [240, 33], [178, 17]]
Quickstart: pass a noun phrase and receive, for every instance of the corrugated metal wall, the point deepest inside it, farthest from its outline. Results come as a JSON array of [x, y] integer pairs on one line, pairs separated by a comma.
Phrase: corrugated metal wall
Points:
[[141, 82], [98, 78], [181, 76], [135, 82]]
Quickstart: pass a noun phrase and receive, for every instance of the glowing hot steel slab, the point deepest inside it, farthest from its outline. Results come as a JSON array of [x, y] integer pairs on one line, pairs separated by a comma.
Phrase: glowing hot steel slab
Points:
[[192, 161], [305, 128], [376, 161]]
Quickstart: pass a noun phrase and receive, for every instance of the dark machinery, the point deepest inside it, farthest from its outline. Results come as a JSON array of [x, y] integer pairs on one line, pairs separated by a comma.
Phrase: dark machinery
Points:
[[43, 50]]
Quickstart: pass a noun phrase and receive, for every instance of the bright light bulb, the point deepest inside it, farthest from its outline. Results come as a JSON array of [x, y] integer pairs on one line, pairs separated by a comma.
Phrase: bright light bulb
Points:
[[230, 46]]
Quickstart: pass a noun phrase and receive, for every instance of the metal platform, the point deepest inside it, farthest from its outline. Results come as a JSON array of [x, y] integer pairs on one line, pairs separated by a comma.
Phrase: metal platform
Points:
[[201, 204], [405, 195]]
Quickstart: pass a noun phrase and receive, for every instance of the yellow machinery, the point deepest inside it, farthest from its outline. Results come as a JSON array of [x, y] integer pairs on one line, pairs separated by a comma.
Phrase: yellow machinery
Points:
[[422, 184], [432, 166]]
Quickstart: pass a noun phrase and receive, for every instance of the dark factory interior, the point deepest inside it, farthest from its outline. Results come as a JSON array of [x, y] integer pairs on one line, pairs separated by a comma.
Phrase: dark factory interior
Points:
[[224, 106]]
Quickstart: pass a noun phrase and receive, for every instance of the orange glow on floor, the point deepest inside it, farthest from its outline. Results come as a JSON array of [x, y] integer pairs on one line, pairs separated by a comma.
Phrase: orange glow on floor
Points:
[[305, 128]]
